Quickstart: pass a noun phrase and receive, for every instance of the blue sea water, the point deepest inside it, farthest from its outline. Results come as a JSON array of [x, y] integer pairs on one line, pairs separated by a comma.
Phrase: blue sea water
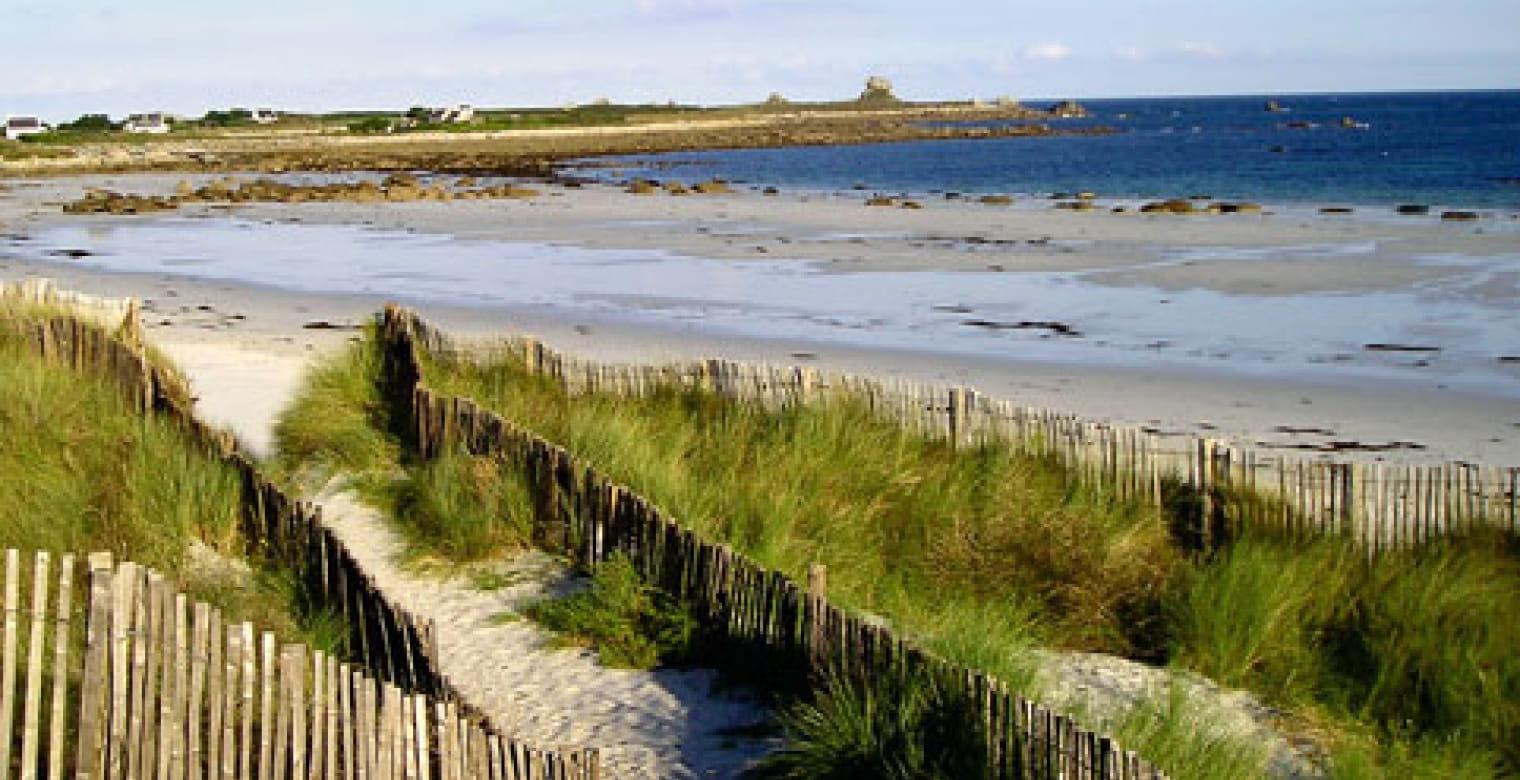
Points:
[[1451, 149]]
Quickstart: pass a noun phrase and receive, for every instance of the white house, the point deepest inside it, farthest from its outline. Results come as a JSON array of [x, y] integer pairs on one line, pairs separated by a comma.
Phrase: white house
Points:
[[265, 116], [457, 115], [146, 123], [17, 126]]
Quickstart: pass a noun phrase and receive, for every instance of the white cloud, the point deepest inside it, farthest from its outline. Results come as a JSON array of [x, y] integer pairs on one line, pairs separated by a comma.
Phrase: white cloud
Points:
[[682, 7], [1204, 50], [1048, 52]]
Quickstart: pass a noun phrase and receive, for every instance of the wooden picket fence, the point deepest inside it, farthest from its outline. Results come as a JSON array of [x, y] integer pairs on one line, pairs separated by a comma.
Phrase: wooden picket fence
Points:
[[135, 680], [759, 613], [393, 645], [1381, 506]]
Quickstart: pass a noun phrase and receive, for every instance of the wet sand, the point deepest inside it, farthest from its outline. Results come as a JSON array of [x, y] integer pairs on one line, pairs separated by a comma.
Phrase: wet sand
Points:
[[1291, 255]]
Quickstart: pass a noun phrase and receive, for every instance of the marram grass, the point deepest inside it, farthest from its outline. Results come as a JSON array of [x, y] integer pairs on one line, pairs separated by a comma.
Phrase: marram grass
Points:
[[83, 471], [1401, 666]]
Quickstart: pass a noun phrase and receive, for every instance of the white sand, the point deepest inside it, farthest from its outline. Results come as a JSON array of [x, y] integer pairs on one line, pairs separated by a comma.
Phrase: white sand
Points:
[[1247, 406]]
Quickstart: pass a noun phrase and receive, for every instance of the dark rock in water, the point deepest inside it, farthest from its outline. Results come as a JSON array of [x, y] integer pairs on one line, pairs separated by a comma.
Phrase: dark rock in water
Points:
[[1297, 430], [770, 191], [1413, 209], [1239, 208], [1336, 210], [326, 325], [1055, 328], [1512, 359], [1459, 216], [1347, 446], [1399, 348], [72, 253]]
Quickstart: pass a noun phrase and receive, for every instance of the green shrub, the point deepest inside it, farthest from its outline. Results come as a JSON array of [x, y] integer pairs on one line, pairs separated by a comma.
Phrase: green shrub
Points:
[[465, 507], [369, 125], [626, 620], [898, 725]]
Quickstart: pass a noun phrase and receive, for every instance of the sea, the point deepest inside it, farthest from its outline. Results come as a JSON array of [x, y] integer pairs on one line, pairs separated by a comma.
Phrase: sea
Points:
[[1444, 149]]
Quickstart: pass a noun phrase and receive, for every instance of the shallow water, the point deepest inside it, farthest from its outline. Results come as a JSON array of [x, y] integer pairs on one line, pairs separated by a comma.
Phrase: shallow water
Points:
[[1065, 317]]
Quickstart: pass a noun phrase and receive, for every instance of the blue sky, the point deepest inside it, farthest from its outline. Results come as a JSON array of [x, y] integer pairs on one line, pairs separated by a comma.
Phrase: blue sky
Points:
[[61, 58]]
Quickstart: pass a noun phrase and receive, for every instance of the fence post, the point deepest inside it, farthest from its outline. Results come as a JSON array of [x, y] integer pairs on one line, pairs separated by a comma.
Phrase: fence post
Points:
[[817, 598]]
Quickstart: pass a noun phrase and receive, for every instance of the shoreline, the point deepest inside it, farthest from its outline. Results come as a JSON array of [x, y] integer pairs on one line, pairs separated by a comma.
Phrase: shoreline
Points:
[[1284, 413]]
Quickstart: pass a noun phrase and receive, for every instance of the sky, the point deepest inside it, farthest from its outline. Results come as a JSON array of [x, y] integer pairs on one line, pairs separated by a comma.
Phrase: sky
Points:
[[63, 58]]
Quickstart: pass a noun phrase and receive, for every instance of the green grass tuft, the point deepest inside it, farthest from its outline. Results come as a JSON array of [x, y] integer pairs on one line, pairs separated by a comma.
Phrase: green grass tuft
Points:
[[630, 623], [899, 725]]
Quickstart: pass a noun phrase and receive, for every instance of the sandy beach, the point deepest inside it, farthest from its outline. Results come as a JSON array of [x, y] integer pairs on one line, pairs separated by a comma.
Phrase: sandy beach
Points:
[[1465, 409]]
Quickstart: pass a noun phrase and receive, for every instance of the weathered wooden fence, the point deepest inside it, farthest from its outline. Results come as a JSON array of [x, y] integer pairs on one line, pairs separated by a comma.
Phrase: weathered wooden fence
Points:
[[384, 637], [1381, 506], [137, 681], [395, 646], [584, 514]]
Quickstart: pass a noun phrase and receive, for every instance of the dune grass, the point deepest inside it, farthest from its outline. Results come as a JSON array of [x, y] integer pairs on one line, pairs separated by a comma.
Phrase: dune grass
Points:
[[892, 514], [1401, 666], [83, 471]]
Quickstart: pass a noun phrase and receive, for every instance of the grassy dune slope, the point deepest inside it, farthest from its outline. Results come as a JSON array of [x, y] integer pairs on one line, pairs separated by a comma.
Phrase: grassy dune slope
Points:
[[81, 471], [1402, 667]]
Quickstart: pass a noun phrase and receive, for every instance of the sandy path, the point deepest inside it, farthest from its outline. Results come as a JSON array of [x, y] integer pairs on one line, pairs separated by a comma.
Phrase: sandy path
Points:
[[666, 723]]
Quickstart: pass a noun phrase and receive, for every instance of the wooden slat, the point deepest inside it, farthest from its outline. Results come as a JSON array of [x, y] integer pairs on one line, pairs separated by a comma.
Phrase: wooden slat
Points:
[[318, 715], [31, 714], [94, 684], [330, 760], [267, 734], [299, 733], [8, 658], [196, 718], [129, 584], [179, 694], [140, 736], [248, 651], [61, 642]]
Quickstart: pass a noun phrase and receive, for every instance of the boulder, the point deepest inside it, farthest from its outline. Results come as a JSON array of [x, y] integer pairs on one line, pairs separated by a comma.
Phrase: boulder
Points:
[[1172, 206], [996, 200], [713, 187]]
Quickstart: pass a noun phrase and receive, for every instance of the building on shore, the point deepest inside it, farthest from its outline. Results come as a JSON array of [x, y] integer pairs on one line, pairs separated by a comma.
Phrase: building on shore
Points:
[[18, 126], [459, 114], [155, 123]]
